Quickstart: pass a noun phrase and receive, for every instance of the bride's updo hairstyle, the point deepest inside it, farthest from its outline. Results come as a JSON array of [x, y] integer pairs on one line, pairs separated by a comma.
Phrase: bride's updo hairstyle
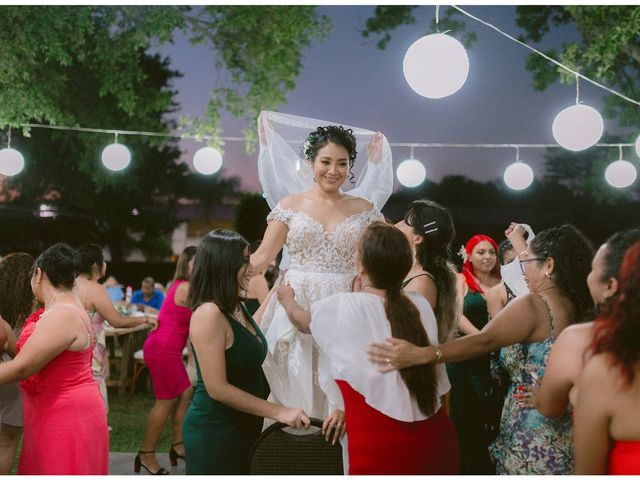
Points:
[[385, 255]]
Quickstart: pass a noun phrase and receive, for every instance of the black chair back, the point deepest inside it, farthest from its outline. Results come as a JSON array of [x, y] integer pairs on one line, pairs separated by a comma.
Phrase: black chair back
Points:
[[277, 452]]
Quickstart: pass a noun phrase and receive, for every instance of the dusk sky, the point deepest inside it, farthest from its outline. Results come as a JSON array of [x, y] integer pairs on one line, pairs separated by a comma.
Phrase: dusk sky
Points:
[[346, 79]]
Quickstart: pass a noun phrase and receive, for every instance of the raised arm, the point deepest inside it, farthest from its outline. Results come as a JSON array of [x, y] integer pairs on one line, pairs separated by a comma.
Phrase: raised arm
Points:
[[515, 234], [272, 242], [211, 336]]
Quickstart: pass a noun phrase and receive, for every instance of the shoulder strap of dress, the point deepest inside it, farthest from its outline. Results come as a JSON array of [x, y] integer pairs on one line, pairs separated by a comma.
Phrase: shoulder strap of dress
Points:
[[425, 274], [82, 313], [550, 314]]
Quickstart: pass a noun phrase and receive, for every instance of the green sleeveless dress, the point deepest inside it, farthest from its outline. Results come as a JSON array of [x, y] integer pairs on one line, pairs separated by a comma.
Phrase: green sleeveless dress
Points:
[[474, 406], [217, 438]]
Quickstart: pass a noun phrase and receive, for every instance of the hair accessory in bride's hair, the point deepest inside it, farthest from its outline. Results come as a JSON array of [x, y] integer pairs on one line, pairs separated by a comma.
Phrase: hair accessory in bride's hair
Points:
[[430, 224], [462, 253]]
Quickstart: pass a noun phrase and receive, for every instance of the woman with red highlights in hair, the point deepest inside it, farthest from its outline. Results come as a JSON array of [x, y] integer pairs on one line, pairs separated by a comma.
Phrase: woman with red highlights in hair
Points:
[[474, 408], [607, 424]]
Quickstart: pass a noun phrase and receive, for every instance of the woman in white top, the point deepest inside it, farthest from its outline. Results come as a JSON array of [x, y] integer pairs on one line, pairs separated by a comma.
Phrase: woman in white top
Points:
[[395, 424]]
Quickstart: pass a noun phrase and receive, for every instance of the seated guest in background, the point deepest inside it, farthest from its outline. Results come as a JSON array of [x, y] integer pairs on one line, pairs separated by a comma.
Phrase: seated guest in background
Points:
[[114, 289], [607, 424], [148, 295], [395, 424]]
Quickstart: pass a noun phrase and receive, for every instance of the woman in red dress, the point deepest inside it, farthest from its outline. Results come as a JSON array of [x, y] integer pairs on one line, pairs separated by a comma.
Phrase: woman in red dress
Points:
[[394, 424], [65, 422], [607, 424], [163, 355]]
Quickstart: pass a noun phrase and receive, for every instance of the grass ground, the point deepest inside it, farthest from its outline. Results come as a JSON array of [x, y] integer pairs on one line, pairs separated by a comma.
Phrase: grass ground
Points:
[[128, 422]]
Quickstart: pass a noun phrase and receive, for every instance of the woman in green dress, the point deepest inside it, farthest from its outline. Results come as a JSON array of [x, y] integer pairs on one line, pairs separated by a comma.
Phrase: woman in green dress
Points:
[[474, 405], [225, 417]]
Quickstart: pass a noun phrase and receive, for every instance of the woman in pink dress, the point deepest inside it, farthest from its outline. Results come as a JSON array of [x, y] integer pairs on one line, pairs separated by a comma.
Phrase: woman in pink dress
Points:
[[65, 423], [163, 355]]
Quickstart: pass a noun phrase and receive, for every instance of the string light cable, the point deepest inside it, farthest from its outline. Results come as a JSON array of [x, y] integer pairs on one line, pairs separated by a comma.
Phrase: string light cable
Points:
[[547, 57]]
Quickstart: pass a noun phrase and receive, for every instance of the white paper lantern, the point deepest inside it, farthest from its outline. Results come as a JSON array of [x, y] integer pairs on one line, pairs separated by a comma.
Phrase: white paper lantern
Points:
[[620, 174], [11, 162], [578, 127], [411, 173], [638, 146], [116, 157], [518, 176], [436, 66], [207, 160]]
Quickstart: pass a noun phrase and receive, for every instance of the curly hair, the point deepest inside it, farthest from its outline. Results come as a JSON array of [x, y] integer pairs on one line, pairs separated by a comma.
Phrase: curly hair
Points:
[[434, 224], [572, 253], [386, 257], [503, 247], [337, 134], [617, 331], [16, 301]]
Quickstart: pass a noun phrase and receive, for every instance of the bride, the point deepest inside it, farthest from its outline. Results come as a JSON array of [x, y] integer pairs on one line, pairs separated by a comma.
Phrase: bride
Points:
[[320, 225]]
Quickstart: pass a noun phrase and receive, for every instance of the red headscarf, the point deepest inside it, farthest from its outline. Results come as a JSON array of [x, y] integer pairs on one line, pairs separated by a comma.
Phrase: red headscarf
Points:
[[467, 267]]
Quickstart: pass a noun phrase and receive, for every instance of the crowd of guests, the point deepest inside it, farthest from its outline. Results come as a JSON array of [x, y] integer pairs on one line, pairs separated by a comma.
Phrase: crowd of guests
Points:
[[413, 367]]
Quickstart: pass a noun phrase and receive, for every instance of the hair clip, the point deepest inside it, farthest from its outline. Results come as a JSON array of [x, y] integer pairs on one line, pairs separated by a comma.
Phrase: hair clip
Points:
[[431, 231], [429, 224]]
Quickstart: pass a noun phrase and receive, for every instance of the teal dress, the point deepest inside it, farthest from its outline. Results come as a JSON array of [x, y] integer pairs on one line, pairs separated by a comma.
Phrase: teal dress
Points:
[[474, 402], [217, 438], [530, 443]]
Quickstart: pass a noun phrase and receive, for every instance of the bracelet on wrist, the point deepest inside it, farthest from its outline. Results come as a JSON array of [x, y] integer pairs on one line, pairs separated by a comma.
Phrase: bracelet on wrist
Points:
[[438, 355]]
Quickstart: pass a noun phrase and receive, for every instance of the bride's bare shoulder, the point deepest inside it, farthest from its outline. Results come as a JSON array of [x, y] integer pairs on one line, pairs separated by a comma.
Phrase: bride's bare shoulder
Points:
[[357, 204]]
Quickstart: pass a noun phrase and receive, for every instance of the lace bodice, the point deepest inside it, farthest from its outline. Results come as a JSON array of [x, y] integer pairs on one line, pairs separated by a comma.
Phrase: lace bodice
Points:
[[312, 249]]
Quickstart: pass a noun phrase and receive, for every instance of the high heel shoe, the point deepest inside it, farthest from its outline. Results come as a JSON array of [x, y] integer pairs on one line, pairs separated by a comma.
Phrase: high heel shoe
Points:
[[138, 463], [173, 455]]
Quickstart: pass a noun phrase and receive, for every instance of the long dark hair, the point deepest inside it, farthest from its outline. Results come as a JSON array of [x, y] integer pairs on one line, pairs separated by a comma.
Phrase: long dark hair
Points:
[[89, 256], [16, 298], [434, 224], [219, 258], [617, 331], [60, 263], [182, 267], [572, 253], [386, 258]]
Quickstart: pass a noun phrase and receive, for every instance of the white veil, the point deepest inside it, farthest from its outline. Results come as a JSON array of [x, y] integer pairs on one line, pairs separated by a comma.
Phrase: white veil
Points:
[[283, 170]]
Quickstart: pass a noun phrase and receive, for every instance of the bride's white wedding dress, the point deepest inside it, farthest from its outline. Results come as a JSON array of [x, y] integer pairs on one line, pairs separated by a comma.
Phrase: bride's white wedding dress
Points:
[[321, 263]]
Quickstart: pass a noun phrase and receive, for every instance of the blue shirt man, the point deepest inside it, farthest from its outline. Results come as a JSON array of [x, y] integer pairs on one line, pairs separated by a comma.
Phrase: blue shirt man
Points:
[[148, 295]]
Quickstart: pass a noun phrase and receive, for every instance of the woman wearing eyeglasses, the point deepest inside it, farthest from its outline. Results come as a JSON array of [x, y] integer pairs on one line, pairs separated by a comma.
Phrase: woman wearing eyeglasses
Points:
[[555, 267]]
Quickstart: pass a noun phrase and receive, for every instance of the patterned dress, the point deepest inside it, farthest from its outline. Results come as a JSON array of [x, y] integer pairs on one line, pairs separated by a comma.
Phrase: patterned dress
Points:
[[321, 263], [530, 443]]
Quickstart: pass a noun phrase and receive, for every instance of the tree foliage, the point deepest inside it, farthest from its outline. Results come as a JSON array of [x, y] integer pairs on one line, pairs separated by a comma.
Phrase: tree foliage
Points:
[[608, 51], [259, 47]]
